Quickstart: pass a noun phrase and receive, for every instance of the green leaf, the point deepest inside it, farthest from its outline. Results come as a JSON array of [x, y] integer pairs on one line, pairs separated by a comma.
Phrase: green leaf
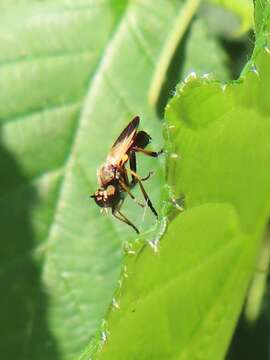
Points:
[[180, 297], [203, 53], [243, 9], [198, 51], [72, 74]]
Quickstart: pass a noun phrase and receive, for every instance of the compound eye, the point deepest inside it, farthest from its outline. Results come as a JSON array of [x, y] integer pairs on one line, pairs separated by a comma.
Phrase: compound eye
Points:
[[110, 190]]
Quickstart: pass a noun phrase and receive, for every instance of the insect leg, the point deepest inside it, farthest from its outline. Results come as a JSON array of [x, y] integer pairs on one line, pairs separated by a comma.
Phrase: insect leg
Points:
[[127, 190], [120, 216], [119, 205], [147, 152], [146, 197], [133, 167], [125, 176], [148, 176]]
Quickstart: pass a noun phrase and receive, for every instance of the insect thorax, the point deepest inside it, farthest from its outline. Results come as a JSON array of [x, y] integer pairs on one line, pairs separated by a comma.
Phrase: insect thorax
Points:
[[107, 173]]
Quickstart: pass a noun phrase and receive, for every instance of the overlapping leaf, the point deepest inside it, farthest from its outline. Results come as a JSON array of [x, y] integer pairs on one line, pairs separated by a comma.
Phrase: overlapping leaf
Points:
[[180, 298]]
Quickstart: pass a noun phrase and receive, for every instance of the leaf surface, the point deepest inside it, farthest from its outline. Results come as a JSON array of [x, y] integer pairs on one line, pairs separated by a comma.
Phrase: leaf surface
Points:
[[182, 291], [73, 75], [243, 9]]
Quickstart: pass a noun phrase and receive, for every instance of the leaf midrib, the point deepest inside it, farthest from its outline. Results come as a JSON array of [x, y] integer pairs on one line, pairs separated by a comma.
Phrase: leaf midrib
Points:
[[68, 160]]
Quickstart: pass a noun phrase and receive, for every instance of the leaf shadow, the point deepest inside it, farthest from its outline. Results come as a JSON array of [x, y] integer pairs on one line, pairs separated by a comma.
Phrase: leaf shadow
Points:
[[174, 73], [250, 341], [24, 330]]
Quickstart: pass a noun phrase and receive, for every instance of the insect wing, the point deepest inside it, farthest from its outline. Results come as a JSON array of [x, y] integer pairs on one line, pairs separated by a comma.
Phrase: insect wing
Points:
[[123, 142]]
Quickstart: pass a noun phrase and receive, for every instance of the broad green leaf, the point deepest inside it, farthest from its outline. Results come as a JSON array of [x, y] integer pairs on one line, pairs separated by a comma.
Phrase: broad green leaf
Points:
[[180, 293], [72, 75], [198, 51], [243, 9], [203, 54], [258, 285]]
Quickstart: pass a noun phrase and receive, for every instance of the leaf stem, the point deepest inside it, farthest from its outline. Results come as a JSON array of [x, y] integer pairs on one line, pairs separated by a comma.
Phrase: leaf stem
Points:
[[178, 29], [258, 284]]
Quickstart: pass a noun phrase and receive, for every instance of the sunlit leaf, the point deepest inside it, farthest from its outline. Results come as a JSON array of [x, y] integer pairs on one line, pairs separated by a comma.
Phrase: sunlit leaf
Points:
[[181, 293], [72, 74]]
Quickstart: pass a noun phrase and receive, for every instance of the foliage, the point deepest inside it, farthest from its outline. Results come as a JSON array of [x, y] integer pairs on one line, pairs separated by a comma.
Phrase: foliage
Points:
[[72, 75]]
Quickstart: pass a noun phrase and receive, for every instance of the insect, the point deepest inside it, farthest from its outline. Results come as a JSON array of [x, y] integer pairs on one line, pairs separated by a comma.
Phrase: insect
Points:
[[116, 180]]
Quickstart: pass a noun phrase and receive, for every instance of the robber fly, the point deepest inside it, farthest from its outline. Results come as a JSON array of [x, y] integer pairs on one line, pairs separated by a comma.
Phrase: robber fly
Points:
[[116, 180]]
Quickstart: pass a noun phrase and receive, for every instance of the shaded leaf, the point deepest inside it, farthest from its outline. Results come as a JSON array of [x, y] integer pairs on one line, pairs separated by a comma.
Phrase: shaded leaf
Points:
[[243, 9], [204, 54]]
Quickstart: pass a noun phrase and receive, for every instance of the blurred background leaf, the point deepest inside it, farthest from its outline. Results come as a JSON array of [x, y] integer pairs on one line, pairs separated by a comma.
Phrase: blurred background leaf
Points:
[[242, 9], [72, 75]]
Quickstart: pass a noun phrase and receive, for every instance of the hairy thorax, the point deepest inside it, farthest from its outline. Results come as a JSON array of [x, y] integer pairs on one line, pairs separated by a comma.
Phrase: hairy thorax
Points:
[[106, 174]]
